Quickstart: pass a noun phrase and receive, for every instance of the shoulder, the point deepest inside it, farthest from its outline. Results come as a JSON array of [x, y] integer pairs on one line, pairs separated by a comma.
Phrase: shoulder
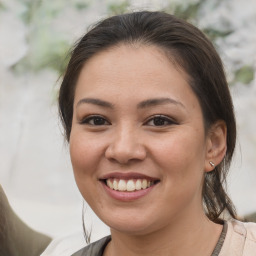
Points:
[[243, 229], [251, 230], [75, 245], [240, 239], [250, 244], [95, 249], [65, 245]]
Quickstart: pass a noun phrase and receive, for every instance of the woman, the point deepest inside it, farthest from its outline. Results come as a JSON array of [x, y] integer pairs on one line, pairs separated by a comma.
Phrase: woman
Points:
[[149, 118]]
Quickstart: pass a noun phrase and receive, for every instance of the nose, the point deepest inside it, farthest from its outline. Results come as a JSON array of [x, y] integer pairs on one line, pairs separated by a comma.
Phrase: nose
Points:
[[125, 146]]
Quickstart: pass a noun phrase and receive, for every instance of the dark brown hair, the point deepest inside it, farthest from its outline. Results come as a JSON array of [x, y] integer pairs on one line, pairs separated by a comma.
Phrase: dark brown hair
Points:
[[189, 48]]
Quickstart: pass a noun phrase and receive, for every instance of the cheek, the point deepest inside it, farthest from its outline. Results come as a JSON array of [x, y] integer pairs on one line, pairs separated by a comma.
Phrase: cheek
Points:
[[181, 160], [84, 154], [85, 159], [182, 155], [182, 146]]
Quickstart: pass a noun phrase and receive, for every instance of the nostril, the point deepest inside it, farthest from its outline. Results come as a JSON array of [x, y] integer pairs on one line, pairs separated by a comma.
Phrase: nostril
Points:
[[125, 153]]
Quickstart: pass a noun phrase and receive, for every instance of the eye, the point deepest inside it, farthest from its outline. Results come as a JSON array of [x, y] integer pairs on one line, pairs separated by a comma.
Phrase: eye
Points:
[[95, 120], [160, 120]]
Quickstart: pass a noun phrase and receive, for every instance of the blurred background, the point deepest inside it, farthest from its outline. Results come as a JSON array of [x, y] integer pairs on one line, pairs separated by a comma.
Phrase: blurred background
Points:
[[35, 37]]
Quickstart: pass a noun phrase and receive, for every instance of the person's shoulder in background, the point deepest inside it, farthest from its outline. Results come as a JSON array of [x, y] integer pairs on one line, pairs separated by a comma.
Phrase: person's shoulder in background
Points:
[[250, 217], [17, 238], [66, 245]]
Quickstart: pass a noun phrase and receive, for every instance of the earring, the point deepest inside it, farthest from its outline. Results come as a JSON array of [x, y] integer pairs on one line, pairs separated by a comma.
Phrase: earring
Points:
[[212, 164]]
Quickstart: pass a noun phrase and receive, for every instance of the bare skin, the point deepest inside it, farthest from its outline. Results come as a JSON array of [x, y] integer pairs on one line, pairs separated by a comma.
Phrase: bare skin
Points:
[[200, 242]]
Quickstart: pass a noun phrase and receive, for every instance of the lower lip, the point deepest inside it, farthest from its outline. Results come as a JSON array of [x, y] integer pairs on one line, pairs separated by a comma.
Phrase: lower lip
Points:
[[127, 196]]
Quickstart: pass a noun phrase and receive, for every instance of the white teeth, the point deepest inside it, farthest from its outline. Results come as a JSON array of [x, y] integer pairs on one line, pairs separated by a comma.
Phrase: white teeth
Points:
[[115, 185], [122, 185], [110, 184], [128, 185], [138, 185], [144, 184]]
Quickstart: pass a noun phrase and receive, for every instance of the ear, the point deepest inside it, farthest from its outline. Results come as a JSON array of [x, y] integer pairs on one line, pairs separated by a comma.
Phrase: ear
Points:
[[216, 145]]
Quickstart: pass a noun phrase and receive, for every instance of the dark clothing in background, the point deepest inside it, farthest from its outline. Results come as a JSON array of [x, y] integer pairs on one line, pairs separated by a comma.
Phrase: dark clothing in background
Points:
[[95, 249], [16, 238]]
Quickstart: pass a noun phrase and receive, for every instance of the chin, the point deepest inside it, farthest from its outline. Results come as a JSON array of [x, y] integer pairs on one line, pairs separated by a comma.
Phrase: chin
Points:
[[130, 225], [135, 230]]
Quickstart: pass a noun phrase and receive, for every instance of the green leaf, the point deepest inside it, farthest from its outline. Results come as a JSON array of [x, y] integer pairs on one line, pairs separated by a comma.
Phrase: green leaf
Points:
[[187, 11], [213, 34], [2, 6], [118, 8], [81, 5], [244, 75]]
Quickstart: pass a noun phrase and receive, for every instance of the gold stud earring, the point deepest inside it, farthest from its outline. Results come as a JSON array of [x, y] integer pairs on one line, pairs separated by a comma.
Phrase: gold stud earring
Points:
[[212, 164]]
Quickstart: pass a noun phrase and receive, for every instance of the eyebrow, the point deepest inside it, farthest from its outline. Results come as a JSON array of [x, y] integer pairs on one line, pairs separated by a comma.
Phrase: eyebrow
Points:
[[158, 101], [144, 104], [97, 102]]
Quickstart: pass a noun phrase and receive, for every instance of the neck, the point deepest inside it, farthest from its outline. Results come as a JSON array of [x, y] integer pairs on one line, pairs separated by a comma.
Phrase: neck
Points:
[[193, 236]]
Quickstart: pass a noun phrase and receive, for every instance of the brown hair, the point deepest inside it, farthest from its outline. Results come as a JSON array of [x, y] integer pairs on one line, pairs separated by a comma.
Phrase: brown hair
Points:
[[189, 48]]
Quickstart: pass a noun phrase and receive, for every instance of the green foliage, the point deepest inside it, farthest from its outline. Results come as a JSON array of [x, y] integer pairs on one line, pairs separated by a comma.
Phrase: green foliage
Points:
[[244, 75], [191, 13], [213, 34], [2, 6], [37, 11], [30, 8], [52, 57], [48, 47], [118, 8], [188, 11], [81, 5]]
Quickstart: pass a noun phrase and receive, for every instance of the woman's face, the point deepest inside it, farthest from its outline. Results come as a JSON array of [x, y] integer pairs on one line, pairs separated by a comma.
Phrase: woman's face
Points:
[[138, 144]]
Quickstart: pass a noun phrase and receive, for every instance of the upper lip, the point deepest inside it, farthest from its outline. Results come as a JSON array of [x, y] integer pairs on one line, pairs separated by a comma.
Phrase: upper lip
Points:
[[127, 176]]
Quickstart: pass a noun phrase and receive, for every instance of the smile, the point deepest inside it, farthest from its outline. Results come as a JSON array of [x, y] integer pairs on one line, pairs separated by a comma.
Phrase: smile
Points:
[[129, 185]]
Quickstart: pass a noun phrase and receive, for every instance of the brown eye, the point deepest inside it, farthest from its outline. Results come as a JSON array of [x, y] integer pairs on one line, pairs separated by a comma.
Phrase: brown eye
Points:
[[160, 121], [95, 120]]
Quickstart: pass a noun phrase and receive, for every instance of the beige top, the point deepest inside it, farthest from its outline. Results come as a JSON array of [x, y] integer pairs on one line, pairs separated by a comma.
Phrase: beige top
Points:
[[240, 239], [237, 239]]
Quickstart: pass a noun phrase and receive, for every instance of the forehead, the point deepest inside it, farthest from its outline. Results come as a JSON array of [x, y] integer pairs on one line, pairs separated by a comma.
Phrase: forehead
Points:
[[132, 71]]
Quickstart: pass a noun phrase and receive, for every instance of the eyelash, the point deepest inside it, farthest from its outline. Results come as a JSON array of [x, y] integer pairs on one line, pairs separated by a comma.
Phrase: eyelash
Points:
[[167, 120], [95, 118], [164, 120]]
